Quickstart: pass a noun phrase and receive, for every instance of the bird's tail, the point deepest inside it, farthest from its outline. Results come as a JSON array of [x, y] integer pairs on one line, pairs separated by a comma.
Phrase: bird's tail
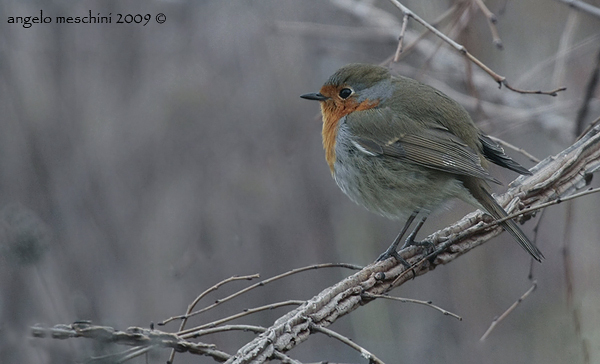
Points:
[[489, 203]]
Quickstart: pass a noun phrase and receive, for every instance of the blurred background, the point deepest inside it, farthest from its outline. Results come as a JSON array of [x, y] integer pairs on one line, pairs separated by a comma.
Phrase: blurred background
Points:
[[140, 165]]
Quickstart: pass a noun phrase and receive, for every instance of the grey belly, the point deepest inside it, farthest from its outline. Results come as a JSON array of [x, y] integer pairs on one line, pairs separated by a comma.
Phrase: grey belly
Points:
[[394, 189]]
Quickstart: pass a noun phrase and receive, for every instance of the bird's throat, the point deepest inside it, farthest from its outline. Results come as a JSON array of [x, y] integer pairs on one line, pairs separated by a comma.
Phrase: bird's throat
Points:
[[332, 114], [330, 125]]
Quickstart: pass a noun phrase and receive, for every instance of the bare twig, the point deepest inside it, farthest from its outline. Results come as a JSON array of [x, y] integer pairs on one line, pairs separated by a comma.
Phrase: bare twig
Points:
[[451, 10], [460, 48], [499, 319], [195, 302], [410, 300], [262, 283], [401, 38], [193, 331], [363, 352], [249, 328], [191, 306], [491, 19], [582, 6], [546, 204], [284, 358]]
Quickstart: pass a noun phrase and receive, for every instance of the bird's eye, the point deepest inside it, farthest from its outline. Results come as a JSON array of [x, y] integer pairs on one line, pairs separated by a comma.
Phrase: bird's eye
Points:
[[345, 93]]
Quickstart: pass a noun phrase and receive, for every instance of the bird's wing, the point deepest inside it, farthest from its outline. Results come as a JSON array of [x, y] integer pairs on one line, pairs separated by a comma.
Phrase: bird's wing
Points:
[[433, 147], [495, 153]]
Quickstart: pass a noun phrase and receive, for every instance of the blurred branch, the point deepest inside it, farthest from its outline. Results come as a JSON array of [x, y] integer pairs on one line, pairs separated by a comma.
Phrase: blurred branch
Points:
[[581, 6], [564, 45]]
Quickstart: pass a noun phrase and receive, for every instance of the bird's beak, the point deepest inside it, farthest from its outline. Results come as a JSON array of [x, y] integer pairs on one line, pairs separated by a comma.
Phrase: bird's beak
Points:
[[314, 96]]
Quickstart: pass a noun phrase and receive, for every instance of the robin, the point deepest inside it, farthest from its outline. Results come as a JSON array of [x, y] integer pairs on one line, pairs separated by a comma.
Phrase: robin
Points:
[[401, 149]]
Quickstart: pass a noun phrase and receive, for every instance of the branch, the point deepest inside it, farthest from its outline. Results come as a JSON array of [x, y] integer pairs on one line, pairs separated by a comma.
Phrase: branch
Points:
[[376, 17], [581, 6], [553, 178], [363, 352], [463, 50], [499, 319], [133, 336]]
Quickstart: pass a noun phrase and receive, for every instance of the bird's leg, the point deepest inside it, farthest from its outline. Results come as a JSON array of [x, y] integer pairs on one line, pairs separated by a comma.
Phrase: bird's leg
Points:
[[392, 250], [410, 240]]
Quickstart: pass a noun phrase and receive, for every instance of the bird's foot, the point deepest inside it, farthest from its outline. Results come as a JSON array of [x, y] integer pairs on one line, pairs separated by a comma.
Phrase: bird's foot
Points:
[[391, 252], [427, 245]]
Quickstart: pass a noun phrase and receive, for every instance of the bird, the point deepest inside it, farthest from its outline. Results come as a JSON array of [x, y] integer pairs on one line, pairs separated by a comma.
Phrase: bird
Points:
[[402, 149]]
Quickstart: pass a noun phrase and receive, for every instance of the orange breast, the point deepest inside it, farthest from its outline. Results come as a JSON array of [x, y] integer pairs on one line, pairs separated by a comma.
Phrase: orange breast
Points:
[[333, 110]]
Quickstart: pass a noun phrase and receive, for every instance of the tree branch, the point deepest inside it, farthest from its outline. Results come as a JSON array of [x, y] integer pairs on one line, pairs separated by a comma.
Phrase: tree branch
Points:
[[552, 178]]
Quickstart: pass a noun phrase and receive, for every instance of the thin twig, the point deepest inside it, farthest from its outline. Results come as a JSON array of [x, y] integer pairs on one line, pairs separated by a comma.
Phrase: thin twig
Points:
[[451, 10], [582, 6], [137, 351], [460, 48], [200, 296], [363, 352], [262, 283], [515, 148], [284, 358], [250, 328], [497, 320], [491, 19], [454, 28], [115, 357], [192, 332], [544, 205], [401, 38], [410, 300], [532, 92]]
